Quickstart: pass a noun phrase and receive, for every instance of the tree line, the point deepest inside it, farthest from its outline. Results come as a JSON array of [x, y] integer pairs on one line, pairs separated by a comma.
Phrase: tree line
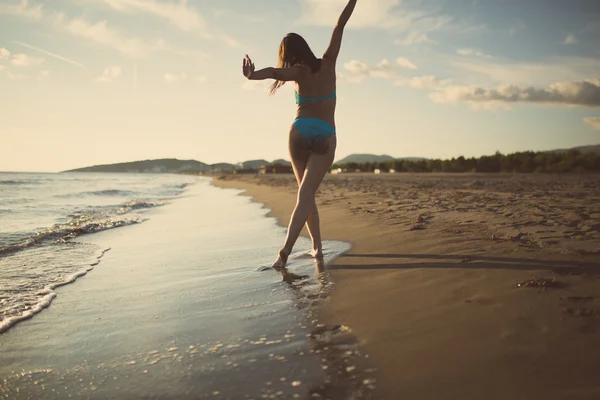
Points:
[[525, 162]]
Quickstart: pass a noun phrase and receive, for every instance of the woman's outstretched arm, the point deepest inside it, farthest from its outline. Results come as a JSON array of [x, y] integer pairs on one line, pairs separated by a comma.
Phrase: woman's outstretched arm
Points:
[[280, 74], [336, 38]]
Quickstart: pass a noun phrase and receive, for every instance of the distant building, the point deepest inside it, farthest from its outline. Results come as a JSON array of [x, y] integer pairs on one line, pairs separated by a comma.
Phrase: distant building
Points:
[[276, 169], [245, 171]]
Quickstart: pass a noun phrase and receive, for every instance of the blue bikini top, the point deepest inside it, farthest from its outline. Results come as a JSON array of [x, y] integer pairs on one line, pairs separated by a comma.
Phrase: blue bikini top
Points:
[[302, 100]]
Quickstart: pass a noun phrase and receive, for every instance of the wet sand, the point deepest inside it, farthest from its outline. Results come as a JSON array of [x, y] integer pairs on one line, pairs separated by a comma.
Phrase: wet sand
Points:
[[439, 285], [179, 309]]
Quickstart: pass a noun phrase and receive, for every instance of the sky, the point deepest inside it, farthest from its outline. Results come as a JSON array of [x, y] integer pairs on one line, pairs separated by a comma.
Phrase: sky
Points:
[[87, 82]]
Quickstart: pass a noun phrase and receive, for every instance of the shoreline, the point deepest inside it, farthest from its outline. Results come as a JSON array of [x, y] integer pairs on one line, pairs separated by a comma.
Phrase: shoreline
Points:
[[430, 285], [165, 316]]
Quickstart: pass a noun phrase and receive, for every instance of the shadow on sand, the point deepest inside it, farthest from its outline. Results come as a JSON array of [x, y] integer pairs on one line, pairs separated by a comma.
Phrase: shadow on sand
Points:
[[562, 267]]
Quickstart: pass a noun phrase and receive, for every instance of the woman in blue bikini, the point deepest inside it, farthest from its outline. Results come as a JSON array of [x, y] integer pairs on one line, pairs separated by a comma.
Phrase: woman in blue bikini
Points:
[[312, 140]]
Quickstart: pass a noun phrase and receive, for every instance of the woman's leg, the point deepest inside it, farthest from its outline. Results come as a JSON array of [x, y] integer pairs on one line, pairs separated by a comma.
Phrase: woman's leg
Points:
[[299, 153], [317, 166]]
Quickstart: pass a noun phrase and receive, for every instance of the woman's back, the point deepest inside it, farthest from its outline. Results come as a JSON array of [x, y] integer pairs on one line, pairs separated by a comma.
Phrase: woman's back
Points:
[[316, 93]]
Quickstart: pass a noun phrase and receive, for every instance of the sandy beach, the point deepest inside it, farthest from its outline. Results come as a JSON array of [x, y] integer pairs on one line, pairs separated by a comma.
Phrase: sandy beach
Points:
[[465, 286]]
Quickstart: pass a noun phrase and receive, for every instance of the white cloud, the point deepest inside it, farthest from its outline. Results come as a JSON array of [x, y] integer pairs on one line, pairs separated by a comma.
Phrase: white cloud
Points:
[[405, 63], [584, 93], [358, 70], [201, 79], [109, 74], [502, 71], [368, 14], [101, 33], [594, 122], [472, 52], [172, 78], [178, 13], [424, 82], [4, 53], [2, 67], [414, 38], [22, 9], [570, 39], [24, 60]]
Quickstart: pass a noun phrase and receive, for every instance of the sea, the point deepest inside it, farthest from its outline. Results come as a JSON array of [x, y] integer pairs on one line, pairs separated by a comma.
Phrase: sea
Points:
[[159, 286]]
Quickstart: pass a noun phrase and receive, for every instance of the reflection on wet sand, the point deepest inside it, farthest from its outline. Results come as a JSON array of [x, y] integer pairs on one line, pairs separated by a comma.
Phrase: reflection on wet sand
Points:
[[348, 374]]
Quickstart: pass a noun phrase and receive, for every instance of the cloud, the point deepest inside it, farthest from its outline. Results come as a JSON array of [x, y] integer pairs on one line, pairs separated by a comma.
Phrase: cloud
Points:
[[4, 53], [594, 122], [358, 70], [24, 60], [570, 39], [405, 63], [414, 38], [501, 71], [22, 9], [109, 74], [172, 78], [201, 79], [584, 93], [369, 14], [390, 15], [2, 67], [424, 82], [46, 52], [101, 33], [177, 13], [472, 52]]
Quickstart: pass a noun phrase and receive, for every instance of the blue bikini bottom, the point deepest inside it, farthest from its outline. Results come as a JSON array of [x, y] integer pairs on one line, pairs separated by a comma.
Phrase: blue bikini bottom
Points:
[[313, 128]]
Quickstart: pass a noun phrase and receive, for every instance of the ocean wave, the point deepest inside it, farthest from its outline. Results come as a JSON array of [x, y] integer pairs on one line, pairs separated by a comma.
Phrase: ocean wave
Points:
[[138, 205], [17, 182], [61, 233], [46, 296], [177, 185], [110, 192], [106, 192], [82, 223]]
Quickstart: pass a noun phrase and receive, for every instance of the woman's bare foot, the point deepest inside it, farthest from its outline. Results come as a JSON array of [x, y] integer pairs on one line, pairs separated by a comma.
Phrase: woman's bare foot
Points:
[[318, 254], [281, 260]]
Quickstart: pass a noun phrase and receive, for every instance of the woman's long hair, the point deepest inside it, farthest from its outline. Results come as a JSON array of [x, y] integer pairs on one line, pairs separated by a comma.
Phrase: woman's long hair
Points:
[[294, 51]]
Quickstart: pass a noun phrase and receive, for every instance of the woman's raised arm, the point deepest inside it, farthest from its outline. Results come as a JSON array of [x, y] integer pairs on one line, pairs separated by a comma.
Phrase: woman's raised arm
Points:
[[336, 38]]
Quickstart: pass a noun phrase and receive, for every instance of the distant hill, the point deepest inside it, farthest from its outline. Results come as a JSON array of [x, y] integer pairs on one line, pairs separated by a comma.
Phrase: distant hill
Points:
[[364, 158], [254, 164], [582, 149], [167, 165], [281, 162], [372, 158], [223, 166], [171, 165]]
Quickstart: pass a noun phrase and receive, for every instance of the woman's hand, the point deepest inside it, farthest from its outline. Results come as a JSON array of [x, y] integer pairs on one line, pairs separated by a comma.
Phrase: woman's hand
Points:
[[247, 67]]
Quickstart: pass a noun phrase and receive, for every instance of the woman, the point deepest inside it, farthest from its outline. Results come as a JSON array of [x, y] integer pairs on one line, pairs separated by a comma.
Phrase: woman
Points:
[[312, 139]]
